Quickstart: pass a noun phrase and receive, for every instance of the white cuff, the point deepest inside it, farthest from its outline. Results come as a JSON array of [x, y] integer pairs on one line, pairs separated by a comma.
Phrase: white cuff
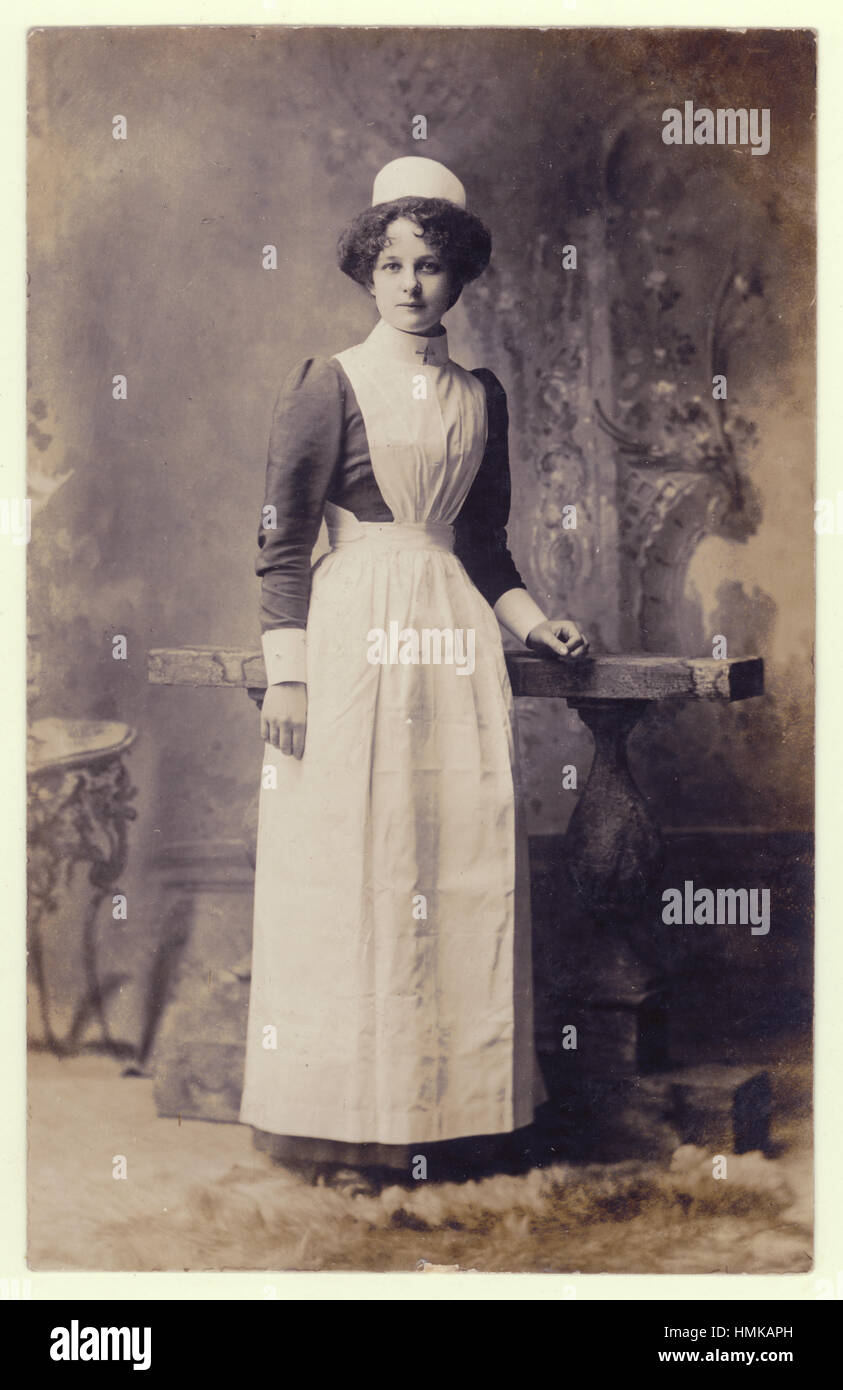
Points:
[[285, 654], [518, 612]]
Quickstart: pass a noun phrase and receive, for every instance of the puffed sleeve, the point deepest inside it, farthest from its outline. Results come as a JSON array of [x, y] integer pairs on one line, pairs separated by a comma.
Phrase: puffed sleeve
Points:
[[480, 528], [305, 445]]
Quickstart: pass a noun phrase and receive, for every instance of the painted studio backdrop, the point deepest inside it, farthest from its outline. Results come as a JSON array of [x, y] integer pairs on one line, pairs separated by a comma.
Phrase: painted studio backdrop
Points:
[[694, 508]]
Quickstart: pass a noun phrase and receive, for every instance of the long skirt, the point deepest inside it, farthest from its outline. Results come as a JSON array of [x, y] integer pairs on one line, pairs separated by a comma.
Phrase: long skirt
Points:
[[391, 995]]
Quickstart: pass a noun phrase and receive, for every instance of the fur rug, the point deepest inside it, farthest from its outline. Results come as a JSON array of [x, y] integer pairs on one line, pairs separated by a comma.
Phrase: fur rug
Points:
[[199, 1196]]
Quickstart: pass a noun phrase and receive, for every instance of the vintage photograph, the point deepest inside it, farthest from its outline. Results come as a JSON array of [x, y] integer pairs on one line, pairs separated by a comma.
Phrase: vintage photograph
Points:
[[421, 528]]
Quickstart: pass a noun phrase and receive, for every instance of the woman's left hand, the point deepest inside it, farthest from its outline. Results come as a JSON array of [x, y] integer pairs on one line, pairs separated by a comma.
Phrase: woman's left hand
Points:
[[557, 637]]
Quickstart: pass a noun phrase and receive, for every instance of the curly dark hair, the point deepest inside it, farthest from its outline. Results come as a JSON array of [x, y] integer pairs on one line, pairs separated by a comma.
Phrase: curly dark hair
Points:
[[461, 239]]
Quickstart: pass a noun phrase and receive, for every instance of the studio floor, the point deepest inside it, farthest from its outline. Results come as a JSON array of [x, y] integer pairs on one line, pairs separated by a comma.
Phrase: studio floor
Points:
[[199, 1196]]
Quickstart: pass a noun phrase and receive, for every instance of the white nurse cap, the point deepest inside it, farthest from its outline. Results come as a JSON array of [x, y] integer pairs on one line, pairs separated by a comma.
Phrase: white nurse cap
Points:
[[415, 177]]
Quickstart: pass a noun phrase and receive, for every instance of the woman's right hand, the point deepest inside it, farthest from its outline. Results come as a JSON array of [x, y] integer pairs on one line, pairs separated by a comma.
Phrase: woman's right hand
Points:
[[284, 717]]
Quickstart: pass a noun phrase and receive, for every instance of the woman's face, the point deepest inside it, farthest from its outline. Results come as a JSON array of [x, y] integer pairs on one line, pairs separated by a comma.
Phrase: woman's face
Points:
[[411, 284]]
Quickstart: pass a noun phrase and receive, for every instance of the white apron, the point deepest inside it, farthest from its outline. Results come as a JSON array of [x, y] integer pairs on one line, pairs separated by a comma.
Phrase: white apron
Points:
[[391, 997]]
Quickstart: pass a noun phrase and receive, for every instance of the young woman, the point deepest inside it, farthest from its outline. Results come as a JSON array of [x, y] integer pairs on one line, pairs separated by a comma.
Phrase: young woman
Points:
[[391, 999]]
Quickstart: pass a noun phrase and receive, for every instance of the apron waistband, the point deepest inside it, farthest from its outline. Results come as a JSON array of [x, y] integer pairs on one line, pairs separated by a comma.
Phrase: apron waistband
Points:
[[345, 529]]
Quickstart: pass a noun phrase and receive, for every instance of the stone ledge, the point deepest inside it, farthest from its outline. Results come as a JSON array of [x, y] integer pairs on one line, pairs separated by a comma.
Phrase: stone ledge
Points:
[[625, 677]]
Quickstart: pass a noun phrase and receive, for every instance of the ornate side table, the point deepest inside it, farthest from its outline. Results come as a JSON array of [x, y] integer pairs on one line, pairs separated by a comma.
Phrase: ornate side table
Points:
[[79, 795]]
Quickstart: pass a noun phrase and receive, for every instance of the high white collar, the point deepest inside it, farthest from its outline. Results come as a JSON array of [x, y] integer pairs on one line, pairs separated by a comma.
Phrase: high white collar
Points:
[[416, 349]]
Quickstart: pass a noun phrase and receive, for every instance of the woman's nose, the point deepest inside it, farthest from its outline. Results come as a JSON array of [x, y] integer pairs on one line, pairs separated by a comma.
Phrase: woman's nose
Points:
[[411, 283]]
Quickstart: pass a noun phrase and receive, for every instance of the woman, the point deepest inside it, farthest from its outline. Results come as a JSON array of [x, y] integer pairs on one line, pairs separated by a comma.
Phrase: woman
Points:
[[391, 1004]]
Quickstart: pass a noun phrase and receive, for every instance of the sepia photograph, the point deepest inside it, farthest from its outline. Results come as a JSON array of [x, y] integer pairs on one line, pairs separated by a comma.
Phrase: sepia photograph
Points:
[[420, 529]]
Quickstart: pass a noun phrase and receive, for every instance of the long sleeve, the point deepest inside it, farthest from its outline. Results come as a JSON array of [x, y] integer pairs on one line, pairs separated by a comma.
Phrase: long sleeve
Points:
[[305, 445], [480, 540]]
